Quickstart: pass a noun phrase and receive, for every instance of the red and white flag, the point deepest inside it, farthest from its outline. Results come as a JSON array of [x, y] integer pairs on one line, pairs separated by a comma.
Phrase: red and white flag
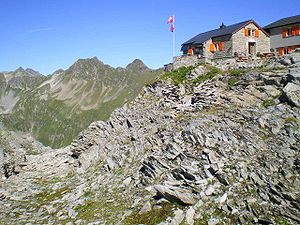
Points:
[[172, 28], [171, 19]]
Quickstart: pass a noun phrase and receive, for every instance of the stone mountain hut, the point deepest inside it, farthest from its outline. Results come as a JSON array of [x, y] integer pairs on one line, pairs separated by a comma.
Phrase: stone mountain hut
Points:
[[240, 39]]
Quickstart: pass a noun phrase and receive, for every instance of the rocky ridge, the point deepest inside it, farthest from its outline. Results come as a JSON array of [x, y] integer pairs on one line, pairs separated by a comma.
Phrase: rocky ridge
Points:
[[223, 150]]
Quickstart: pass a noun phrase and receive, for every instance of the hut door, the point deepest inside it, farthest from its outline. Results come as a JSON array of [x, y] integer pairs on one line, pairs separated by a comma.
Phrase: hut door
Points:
[[251, 48]]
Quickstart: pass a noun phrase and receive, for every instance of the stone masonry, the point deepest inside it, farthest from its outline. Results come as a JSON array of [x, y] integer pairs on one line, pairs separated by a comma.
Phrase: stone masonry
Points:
[[187, 60], [240, 41]]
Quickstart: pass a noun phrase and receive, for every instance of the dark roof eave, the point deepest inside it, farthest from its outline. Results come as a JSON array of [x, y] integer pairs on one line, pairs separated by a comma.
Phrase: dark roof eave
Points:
[[284, 22], [203, 37], [272, 27]]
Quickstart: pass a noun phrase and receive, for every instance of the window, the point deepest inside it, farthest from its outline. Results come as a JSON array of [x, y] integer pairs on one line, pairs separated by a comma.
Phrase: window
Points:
[[291, 31], [219, 46], [251, 32], [295, 30]]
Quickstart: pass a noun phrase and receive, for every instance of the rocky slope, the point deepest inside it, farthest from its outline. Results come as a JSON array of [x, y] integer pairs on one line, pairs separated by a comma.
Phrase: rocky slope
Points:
[[66, 102], [197, 146]]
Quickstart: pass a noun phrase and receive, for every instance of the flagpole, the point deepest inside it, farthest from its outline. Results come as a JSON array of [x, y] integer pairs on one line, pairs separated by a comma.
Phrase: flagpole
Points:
[[174, 36]]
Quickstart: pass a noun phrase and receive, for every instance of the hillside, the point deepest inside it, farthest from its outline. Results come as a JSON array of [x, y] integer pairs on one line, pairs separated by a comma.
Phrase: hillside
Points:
[[66, 102], [200, 145], [14, 84]]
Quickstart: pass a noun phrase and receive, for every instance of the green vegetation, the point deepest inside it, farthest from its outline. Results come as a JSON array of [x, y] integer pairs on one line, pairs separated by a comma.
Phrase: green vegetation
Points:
[[268, 102], [99, 207], [291, 120], [155, 216], [57, 121], [206, 76], [88, 194], [236, 72], [296, 128], [226, 218], [231, 83], [179, 75], [48, 195]]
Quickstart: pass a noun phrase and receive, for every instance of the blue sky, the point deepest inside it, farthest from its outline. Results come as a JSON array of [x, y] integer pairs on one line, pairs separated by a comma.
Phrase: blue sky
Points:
[[47, 35]]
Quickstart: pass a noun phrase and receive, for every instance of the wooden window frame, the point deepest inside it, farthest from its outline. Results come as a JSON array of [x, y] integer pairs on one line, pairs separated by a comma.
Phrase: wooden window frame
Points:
[[250, 32], [217, 46], [291, 31]]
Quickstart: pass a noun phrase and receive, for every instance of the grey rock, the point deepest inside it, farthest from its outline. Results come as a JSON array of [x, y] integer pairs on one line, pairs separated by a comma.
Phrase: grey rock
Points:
[[213, 221], [295, 58], [291, 94], [127, 181], [294, 74], [177, 219], [175, 194], [210, 190], [146, 208], [189, 217], [251, 75], [222, 199]]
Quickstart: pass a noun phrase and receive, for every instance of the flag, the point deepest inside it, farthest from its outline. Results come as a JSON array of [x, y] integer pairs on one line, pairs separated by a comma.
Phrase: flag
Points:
[[171, 19], [172, 28]]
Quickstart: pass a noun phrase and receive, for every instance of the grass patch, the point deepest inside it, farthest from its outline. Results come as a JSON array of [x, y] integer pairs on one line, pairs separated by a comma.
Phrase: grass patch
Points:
[[231, 83], [179, 75], [291, 120], [207, 76], [268, 102], [236, 72], [88, 194], [48, 196], [296, 128], [126, 142], [108, 212], [152, 217]]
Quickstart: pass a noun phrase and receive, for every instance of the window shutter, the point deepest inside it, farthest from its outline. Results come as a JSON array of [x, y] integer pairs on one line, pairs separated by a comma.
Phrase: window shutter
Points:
[[246, 32], [290, 48], [190, 51], [284, 33], [280, 51], [212, 47], [297, 30], [256, 33], [221, 46], [293, 31]]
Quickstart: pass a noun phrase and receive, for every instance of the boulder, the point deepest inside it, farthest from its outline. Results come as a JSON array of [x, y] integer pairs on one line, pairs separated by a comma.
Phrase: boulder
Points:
[[146, 208], [189, 217], [175, 194], [250, 75], [294, 74], [295, 57], [291, 94], [177, 219]]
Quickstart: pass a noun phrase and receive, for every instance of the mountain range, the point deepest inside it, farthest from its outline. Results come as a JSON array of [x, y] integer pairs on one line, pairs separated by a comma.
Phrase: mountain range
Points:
[[57, 107]]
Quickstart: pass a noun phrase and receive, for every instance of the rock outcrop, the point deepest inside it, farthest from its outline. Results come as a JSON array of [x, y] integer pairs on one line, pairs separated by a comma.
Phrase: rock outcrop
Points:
[[221, 147]]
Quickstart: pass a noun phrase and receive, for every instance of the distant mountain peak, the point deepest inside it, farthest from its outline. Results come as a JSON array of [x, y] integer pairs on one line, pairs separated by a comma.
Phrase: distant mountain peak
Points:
[[20, 69], [33, 72], [88, 60], [89, 68], [137, 65]]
